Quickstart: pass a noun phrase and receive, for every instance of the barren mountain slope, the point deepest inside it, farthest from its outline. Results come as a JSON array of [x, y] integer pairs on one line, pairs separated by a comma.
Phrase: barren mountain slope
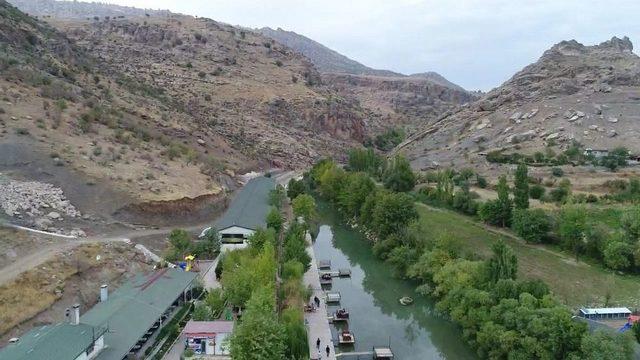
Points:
[[589, 94], [325, 59], [143, 104], [81, 10]]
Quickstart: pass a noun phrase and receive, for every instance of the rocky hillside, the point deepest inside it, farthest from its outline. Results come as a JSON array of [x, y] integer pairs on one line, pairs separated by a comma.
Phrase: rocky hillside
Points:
[[325, 59], [138, 105], [587, 94], [81, 10], [412, 102]]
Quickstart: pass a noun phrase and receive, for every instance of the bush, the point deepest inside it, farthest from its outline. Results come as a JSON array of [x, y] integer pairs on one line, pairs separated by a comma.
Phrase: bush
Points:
[[481, 181], [618, 255], [536, 191], [531, 224], [557, 172]]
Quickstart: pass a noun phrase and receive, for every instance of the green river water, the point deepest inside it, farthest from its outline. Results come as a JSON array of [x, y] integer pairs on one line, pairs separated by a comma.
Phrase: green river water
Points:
[[415, 332]]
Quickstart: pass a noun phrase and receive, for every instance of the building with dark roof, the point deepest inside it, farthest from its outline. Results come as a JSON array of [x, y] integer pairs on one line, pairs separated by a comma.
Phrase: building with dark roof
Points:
[[247, 211], [115, 327], [137, 308], [59, 341]]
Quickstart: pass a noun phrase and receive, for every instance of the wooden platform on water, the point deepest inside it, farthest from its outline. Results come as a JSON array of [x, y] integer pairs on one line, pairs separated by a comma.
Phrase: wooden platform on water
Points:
[[337, 273]]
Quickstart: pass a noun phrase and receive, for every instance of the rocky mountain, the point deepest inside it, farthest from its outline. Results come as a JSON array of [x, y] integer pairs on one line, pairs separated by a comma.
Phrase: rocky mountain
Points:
[[586, 94], [81, 10], [325, 59], [140, 104], [393, 98]]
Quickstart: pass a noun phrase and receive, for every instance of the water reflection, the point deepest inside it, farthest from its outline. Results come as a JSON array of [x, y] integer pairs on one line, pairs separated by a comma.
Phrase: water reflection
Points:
[[371, 295]]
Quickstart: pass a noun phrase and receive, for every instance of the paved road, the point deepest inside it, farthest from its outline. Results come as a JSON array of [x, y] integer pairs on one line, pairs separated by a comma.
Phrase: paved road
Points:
[[317, 322]]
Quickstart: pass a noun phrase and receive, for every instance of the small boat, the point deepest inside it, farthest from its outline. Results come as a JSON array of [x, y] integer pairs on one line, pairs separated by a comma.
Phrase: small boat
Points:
[[341, 315], [333, 297], [344, 272], [406, 300], [324, 264], [346, 337]]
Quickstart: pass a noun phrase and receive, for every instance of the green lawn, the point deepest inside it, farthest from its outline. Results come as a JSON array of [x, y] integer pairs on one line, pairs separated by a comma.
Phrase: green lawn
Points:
[[576, 284]]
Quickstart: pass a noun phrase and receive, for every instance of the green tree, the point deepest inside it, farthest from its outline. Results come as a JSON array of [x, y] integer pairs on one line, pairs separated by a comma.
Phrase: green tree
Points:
[[618, 255], [295, 334], [398, 176], [262, 236], [504, 262], [202, 313], [531, 224], [358, 187], [259, 336], [295, 188], [498, 212], [392, 212], [215, 300], [365, 160], [209, 245], [572, 227], [304, 206], [521, 187], [631, 224], [536, 191], [277, 196], [604, 345], [274, 219], [180, 241]]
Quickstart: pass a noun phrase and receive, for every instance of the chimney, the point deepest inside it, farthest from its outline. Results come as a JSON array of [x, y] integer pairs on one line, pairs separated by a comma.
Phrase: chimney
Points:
[[104, 293], [76, 314]]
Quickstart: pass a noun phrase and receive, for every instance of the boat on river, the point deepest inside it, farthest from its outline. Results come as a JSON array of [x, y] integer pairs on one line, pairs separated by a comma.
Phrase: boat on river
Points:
[[346, 337], [341, 315], [406, 300], [333, 297]]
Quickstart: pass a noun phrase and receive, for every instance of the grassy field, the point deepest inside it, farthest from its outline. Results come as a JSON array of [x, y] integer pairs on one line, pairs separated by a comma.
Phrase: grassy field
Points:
[[576, 284]]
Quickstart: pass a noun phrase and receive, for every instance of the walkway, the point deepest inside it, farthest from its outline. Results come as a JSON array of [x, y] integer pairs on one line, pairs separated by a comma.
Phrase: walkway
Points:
[[317, 322]]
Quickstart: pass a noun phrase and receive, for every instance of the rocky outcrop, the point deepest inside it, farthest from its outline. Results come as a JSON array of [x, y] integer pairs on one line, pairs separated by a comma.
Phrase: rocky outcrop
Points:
[[572, 93]]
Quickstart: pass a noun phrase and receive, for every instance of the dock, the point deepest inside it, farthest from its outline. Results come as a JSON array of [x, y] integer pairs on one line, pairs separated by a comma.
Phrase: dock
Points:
[[317, 322], [337, 273]]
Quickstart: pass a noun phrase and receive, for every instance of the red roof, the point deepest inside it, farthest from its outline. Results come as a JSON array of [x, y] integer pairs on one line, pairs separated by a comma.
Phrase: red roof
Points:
[[204, 328], [634, 318]]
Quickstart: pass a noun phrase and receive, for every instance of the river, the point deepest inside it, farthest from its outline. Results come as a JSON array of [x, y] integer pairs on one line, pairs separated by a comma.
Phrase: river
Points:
[[415, 332]]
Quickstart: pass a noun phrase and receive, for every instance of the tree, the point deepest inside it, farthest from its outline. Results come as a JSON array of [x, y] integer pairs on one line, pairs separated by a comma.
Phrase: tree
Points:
[[498, 212], [618, 255], [215, 300], [259, 336], [365, 160], [274, 219], [398, 176], [521, 187], [531, 224], [359, 186], [604, 345], [615, 158], [260, 237], [572, 227], [209, 245], [202, 313], [180, 241], [295, 188], [277, 196], [536, 191], [304, 206], [392, 212], [631, 224], [504, 262]]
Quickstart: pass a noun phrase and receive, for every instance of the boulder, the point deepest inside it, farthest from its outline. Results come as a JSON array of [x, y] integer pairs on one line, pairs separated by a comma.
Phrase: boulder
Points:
[[612, 119], [552, 136], [54, 215]]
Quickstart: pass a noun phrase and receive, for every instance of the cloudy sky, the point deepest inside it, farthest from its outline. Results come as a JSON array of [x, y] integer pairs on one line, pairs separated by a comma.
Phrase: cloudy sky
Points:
[[475, 43]]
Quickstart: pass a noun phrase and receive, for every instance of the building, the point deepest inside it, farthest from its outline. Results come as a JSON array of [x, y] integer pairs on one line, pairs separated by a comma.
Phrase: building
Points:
[[247, 211], [75, 341], [605, 313], [137, 309], [207, 337]]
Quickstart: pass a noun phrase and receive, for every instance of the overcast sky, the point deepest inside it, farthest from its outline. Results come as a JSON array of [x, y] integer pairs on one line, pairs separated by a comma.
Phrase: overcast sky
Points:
[[476, 43]]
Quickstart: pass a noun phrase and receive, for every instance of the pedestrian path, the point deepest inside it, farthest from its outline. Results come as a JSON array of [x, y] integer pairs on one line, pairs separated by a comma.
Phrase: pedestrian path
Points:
[[317, 322]]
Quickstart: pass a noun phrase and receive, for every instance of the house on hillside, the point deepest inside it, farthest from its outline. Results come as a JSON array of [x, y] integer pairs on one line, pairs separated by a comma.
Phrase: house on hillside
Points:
[[247, 211]]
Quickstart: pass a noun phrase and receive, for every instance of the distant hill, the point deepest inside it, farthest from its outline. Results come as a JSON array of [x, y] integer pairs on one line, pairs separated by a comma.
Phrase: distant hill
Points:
[[438, 79], [325, 59], [81, 10]]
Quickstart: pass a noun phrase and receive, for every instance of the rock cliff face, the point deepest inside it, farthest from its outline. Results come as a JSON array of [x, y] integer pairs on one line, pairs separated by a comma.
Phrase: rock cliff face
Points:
[[574, 92]]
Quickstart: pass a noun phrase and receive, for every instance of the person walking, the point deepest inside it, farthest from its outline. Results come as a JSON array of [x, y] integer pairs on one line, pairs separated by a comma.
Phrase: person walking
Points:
[[328, 349], [318, 344]]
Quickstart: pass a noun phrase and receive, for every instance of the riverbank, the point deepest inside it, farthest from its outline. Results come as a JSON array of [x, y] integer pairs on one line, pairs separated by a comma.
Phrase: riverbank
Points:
[[371, 296]]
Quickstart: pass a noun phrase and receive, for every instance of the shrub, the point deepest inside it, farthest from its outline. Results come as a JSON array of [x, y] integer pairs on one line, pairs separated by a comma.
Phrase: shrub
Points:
[[537, 191], [557, 172], [618, 255], [531, 224], [481, 181], [22, 131]]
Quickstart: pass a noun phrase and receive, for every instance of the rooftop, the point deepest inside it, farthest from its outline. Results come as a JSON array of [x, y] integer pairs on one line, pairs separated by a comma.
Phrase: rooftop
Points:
[[208, 327], [134, 307], [601, 311], [58, 341], [250, 206]]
